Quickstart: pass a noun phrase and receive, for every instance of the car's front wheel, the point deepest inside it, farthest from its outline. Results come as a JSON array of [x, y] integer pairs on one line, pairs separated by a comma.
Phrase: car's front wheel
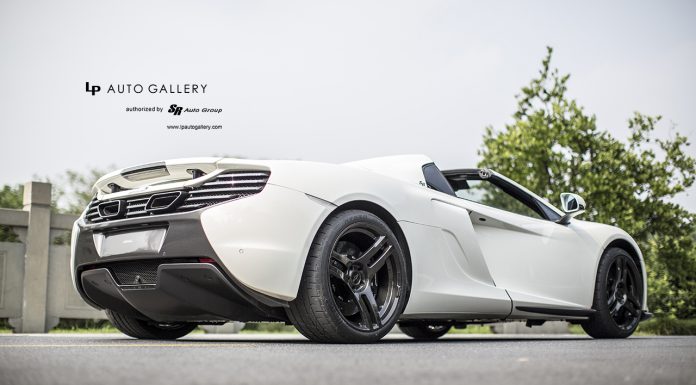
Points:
[[148, 330], [617, 298], [355, 282]]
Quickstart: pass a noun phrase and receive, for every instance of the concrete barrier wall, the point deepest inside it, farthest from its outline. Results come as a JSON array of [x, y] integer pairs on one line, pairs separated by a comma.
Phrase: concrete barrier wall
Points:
[[35, 284], [11, 278]]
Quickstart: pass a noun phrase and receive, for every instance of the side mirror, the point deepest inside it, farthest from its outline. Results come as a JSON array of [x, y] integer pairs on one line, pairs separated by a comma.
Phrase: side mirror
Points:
[[572, 205]]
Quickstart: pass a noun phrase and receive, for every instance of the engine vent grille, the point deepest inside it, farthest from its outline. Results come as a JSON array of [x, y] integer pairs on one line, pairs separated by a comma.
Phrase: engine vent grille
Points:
[[135, 273], [224, 187], [142, 272]]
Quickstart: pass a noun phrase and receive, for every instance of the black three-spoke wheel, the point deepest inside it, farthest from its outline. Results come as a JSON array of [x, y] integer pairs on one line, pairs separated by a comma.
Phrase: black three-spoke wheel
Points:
[[622, 293], [618, 297], [355, 282], [364, 276]]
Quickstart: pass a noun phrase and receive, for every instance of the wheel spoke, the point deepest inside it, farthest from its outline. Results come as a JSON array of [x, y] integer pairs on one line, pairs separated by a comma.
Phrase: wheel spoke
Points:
[[379, 261], [631, 309], [364, 310], [617, 275], [365, 257], [342, 258], [340, 275], [634, 300], [624, 270], [372, 308], [615, 309]]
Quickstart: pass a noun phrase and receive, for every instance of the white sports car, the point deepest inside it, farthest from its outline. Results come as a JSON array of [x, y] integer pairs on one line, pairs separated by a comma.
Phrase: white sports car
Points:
[[344, 252]]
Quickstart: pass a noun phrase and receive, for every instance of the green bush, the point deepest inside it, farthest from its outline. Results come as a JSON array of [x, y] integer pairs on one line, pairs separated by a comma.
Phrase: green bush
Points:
[[5, 326], [663, 326]]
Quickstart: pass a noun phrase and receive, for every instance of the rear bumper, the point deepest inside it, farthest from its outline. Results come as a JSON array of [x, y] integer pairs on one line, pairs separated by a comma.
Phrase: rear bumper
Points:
[[258, 245], [188, 291], [191, 292]]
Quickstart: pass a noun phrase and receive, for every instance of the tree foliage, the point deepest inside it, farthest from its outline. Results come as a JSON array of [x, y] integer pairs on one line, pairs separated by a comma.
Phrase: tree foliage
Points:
[[554, 146], [71, 192], [11, 198]]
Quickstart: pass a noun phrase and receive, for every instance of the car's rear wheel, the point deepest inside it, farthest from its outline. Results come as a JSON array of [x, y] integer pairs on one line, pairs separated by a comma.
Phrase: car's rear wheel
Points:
[[355, 282], [617, 298], [148, 330], [423, 330]]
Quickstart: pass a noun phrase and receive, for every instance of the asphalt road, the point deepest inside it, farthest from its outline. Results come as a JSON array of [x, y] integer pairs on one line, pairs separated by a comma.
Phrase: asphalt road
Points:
[[289, 359]]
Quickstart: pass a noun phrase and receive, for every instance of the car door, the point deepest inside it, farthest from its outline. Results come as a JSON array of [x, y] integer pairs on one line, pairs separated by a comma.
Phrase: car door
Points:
[[540, 263]]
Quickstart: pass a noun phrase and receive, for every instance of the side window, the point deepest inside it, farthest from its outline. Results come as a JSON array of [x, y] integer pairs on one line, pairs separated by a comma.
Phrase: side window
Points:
[[435, 180], [490, 194]]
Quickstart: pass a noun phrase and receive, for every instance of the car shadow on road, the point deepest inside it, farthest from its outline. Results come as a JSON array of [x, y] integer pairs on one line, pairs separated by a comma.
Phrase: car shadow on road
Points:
[[295, 340]]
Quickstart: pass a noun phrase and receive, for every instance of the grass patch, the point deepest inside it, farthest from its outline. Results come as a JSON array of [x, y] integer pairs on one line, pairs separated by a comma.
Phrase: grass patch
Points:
[[473, 329], [268, 327], [104, 330], [657, 327], [88, 326], [83, 326], [668, 327], [5, 326]]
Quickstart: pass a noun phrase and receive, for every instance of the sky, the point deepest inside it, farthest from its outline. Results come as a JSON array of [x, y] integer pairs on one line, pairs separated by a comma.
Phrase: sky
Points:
[[323, 80]]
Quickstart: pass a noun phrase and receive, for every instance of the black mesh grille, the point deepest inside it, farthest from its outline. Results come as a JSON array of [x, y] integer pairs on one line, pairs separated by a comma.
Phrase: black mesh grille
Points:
[[135, 273], [224, 187]]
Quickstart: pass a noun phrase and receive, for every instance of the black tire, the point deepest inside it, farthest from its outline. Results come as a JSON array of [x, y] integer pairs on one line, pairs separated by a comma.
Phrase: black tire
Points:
[[355, 282], [423, 330], [618, 296], [147, 330]]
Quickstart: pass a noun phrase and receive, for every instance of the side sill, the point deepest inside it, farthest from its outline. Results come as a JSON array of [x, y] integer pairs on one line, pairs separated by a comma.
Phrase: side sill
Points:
[[557, 312]]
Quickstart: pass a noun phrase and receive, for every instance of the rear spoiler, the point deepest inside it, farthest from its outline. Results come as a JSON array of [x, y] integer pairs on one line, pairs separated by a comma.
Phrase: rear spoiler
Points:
[[167, 174]]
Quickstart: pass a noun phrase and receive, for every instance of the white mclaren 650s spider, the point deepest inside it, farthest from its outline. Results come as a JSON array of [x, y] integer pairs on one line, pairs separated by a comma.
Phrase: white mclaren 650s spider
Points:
[[344, 252]]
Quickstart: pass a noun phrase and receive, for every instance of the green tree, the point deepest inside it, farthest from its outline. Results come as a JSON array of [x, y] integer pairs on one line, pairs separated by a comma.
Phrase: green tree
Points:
[[554, 146], [72, 190], [11, 198]]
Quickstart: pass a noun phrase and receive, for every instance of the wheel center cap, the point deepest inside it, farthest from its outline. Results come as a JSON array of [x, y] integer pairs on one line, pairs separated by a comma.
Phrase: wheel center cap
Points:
[[355, 277]]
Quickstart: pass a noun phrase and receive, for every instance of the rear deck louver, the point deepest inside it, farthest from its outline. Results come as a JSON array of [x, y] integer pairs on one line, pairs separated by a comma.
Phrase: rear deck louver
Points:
[[225, 187]]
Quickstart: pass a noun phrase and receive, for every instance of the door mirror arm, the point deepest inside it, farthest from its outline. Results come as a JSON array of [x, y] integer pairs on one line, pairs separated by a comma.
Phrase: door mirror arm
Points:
[[572, 205]]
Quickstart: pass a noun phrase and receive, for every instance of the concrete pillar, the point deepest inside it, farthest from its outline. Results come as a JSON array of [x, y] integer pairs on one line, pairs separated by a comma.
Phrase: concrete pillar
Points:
[[37, 201]]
